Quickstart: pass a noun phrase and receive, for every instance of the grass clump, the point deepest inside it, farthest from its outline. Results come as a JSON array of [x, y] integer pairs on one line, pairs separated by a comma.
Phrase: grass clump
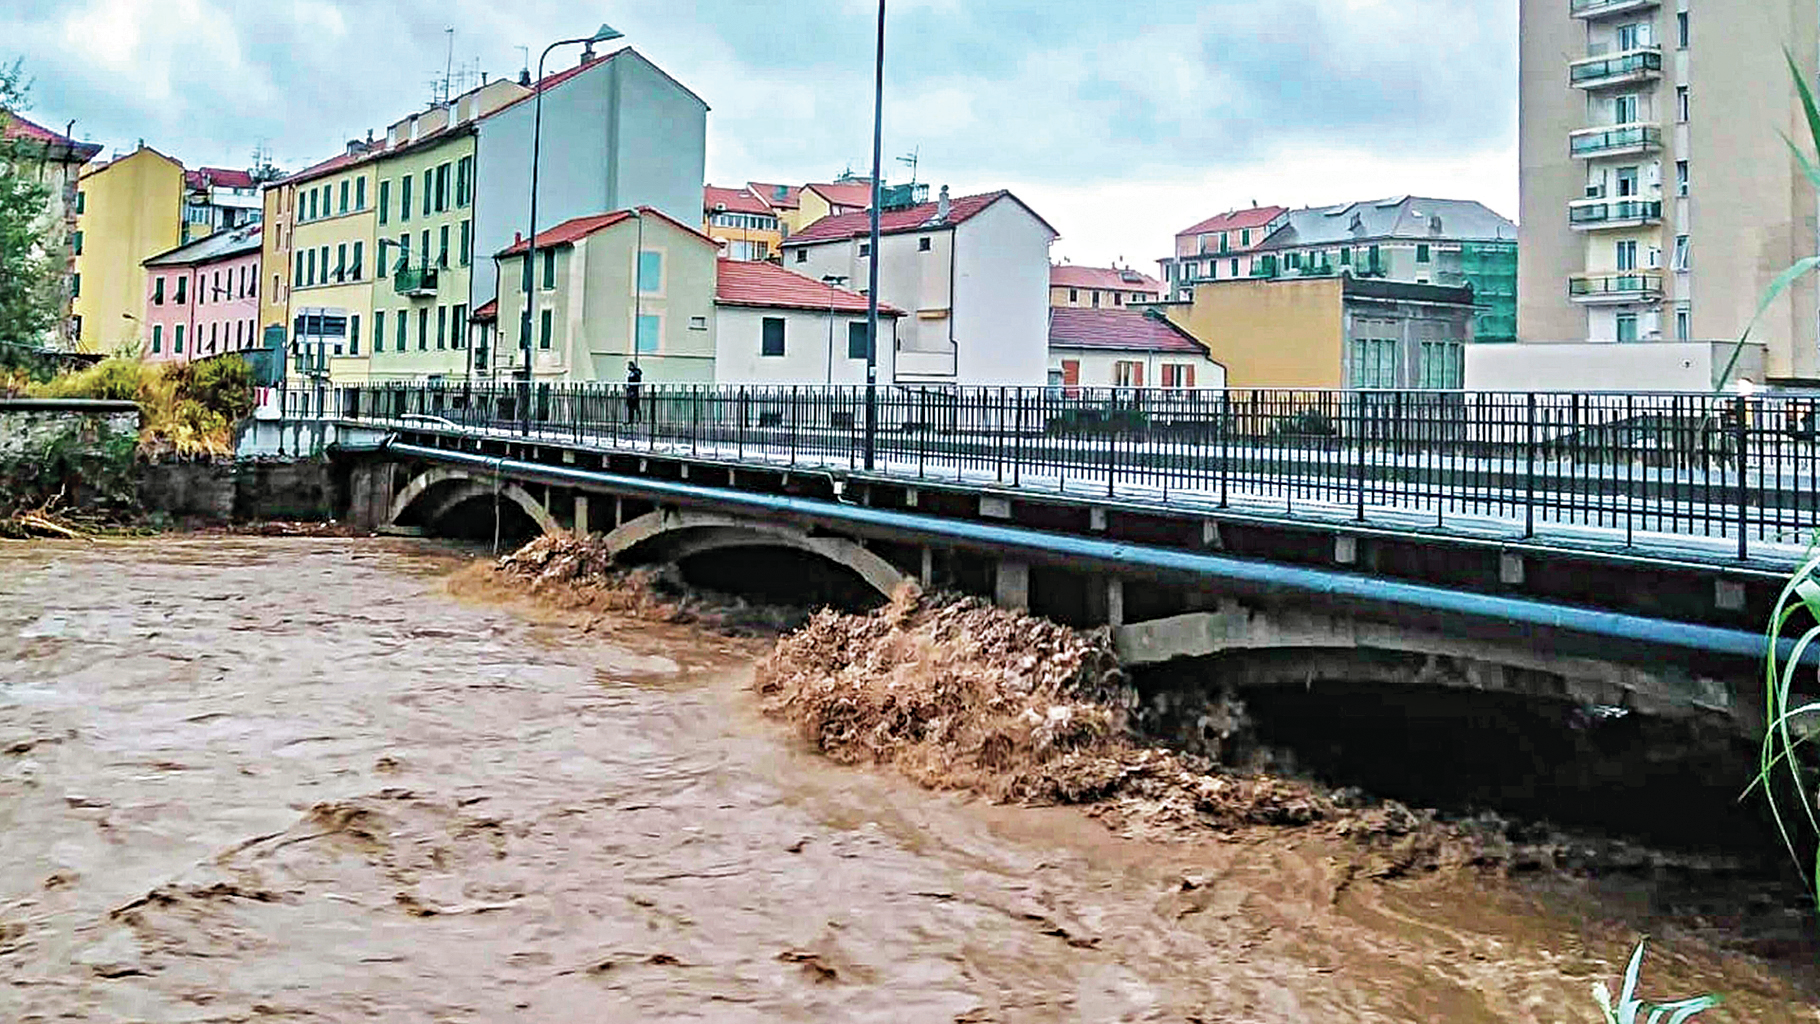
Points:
[[187, 409], [1628, 1009]]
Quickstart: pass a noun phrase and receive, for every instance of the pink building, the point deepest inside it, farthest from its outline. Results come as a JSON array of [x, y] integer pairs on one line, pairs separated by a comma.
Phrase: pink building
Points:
[[202, 299]]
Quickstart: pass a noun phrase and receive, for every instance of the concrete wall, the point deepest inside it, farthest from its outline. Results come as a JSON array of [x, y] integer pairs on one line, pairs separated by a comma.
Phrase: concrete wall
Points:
[[1001, 296], [1270, 333], [1571, 366], [909, 279], [619, 135], [30, 424], [232, 491], [809, 357]]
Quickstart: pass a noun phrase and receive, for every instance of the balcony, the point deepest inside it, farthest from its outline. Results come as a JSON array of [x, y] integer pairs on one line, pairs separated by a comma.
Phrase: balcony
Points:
[[416, 282], [1591, 9], [1615, 287], [1616, 140], [1616, 69], [1599, 214]]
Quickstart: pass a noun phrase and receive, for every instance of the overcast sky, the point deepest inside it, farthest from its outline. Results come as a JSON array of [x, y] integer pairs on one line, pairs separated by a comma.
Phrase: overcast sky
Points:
[[1120, 123]]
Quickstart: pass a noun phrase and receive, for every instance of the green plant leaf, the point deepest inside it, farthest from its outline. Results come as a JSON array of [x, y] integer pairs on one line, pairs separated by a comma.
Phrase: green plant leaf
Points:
[[1774, 292]]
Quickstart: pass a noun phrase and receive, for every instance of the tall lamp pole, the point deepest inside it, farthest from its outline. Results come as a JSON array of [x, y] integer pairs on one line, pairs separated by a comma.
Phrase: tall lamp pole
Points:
[[878, 131], [604, 34]]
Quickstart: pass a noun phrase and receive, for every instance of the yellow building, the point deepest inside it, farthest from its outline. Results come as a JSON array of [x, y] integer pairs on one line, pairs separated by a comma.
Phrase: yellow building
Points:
[[425, 223], [589, 313], [1330, 332], [331, 261], [128, 211], [785, 202], [852, 195], [742, 223], [1072, 287]]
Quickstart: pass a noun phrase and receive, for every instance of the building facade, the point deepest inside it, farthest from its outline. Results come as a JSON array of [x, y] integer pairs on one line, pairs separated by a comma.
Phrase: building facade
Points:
[[785, 202], [612, 289], [128, 210], [971, 273], [202, 299], [333, 261], [832, 199], [1219, 248], [618, 133], [54, 161], [1659, 200], [219, 199], [775, 326], [1126, 348], [742, 223], [1336, 331], [1101, 287]]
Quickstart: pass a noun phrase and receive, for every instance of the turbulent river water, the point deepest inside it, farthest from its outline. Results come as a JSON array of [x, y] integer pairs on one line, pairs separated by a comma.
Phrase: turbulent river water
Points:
[[302, 780]]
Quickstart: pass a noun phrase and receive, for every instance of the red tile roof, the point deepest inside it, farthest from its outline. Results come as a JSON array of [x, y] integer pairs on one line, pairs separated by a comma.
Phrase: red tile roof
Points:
[[736, 200], [1106, 278], [1118, 330], [846, 193], [769, 286], [486, 311], [792, 195], [895, 222], [19, 129], [219, 177], [571, 231], [1237, 220]]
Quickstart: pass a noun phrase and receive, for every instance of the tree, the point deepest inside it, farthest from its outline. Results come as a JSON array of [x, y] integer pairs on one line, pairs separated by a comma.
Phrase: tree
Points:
[[30, 279]]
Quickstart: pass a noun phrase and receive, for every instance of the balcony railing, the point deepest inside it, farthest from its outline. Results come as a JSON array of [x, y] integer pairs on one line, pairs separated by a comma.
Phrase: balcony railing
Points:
[[1602, 8], [1589, 216], [1615, 286], [415, 281], [1630, 66], [1617, 139]]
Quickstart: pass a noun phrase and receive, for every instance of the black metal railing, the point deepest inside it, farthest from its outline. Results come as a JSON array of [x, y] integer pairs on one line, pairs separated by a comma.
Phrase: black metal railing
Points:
[[1654, 470]]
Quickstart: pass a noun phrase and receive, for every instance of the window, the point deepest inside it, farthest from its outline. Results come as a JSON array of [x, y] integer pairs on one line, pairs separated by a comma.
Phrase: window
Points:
[[385, 202], [1627, 182], [345, 186], [1245, 237], [442, 327], [1235, 268], [802, 255], [1422, 254], [1374, 360], [354, 335], [1681, 29], [379, 332], [1681, 103], [467, 242], [698, 323], [1375, 259], [404, 324], [360, 259], [1624, 109], [404, 250], [442, 251], [215, 285], [325, 264], [157, 338], [1682, 253], [464, 181], [1627, 327], [1096, 300], [82, 202], [75, 286], [1074, 295], [1128, 374], [865, 249], [773, 343], [426, 247], [924, 244], [458, 328], [1633, 35], [183, 281], [341, 262], [313, 206], [1225, 241], [1627, 255], [298, 281], [1683, 329], [857, 333], [360, 193], [650, 329], [177, 341], [158, 291], [429, 188], [651, 273], [423, 329], [549, 269], [404, 197], [76, 242], [442, 188], [1178, 375]]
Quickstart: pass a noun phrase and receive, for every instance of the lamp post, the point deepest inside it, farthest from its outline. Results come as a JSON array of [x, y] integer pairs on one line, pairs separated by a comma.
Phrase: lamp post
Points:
[[604, 34], [878, 130], [833, 281]]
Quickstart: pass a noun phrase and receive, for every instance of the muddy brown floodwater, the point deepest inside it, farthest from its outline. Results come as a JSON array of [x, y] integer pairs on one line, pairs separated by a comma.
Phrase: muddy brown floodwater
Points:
[[297, 779]]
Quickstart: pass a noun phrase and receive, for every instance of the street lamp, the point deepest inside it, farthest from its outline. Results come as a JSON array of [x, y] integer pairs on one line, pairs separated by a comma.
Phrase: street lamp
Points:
[[604, 34], [878, 131], [833, 281]]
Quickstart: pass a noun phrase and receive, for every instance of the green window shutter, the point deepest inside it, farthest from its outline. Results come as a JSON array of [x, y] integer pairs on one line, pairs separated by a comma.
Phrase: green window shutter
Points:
[[545, 329], [378, 332], [385, 202]]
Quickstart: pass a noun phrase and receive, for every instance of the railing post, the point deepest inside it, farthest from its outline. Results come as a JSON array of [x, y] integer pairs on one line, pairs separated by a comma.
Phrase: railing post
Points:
[[1358, 398], [740, 444], [793, 424], [922, 431], [695, 420], [1741, 404], [1529, 500], [999, 414], [1112, 443], [1224, 429], [1017, 441]]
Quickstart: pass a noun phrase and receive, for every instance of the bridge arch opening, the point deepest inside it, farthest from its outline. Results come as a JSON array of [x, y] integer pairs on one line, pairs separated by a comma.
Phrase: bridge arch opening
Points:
[[763, 562], [453, 503]]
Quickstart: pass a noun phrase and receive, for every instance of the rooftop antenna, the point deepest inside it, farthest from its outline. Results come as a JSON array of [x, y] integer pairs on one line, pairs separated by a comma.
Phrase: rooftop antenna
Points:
[[448, 67], [911, 161], [526, 51]]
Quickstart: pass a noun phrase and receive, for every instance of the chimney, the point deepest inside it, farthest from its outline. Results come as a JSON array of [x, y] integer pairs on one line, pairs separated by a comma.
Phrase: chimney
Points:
[[943, 206], [524, 78], [587, 53], [369, 138], [355, 147], [483, 79]]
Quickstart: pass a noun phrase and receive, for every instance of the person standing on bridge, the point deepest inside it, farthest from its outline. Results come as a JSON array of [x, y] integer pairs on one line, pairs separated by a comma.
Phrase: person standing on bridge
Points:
[[635, 378]]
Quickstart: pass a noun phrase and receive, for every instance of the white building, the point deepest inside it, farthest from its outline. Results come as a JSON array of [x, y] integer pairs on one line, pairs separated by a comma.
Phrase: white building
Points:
[[618, 133], [775, 326], [1126, 348], [972, 274]]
